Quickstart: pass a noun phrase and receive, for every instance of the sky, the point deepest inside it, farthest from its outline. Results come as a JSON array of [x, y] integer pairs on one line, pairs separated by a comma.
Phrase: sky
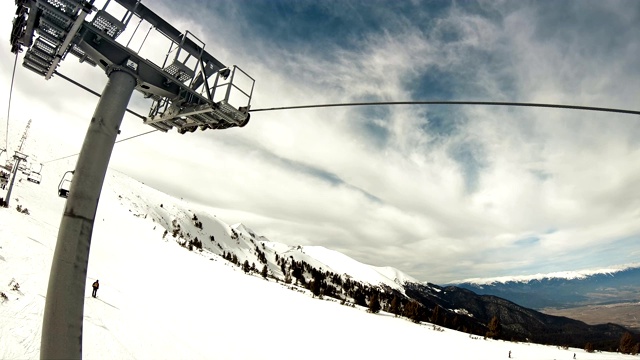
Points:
[[200, 307], [440, 192]]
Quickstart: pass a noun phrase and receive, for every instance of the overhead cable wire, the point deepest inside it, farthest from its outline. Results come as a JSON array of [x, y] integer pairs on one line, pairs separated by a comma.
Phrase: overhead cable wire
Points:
[[444, 102], [135, 136], [375, 103], [13, 76], [98, 95], [121, 140], [64, 157], [419, 102], [93, 92]]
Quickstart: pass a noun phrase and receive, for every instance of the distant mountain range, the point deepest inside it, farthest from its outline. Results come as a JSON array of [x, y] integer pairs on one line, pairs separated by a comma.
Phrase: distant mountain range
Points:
[[517, 323], [563, 290]]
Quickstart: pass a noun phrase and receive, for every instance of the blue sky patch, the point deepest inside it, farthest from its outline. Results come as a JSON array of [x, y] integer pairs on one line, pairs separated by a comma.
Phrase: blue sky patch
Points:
[[529, 241], [469, 156]]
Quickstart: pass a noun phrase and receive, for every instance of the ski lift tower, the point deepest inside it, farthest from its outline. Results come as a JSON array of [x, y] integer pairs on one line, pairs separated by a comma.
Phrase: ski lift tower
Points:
[[17, 157], [182, 97]]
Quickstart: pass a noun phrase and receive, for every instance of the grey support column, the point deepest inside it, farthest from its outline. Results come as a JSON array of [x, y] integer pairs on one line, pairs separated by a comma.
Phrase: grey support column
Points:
[[64, 307]]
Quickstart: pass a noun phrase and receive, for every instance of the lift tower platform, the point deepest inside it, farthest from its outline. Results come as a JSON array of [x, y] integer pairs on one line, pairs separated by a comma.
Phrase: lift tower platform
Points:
[[182, 95]]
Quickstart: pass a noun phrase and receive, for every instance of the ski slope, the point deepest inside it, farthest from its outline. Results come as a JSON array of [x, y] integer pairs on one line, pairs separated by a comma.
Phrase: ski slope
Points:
[[158, 300]]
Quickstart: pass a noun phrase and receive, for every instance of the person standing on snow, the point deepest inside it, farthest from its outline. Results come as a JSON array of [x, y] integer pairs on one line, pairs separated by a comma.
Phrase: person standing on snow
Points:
[[95, 285]]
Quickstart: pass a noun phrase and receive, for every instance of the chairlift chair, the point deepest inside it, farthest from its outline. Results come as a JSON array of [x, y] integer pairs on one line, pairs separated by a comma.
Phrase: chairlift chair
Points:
[[35, 176], [4, 179], [65, 184]]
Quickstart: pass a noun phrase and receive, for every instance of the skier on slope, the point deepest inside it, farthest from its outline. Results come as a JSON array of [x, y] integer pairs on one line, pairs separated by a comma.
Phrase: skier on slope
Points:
[[95, 285]]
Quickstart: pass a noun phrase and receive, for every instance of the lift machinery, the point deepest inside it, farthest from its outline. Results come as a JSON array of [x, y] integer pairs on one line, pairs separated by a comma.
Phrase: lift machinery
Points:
[[181, 93]]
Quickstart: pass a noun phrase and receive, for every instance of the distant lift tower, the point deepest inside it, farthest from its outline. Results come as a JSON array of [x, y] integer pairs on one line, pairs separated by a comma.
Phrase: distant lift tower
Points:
[[182, 96], [17, 157], [24, 135]]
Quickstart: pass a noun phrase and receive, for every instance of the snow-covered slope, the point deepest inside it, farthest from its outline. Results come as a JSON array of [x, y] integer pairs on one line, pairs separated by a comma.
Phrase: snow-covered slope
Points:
[[160, 301], [184, 220]]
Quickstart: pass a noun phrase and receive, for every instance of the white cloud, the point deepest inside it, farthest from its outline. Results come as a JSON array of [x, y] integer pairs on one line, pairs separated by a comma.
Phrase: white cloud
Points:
[[382, 184]]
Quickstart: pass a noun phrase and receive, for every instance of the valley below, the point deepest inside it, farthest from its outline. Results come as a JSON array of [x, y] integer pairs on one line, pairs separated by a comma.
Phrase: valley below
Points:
[[625, 314]]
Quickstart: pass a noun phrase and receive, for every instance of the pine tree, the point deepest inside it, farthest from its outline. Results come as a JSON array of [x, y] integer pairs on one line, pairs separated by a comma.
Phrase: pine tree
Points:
[[455, 322], [393, 308], [196, 243], [435, 315], [412, 311], [626, 343], [359, 297], [588, 347], [374, 303], [297, 274], [314, 286], [264, 271], [245, 266], [494, 327]]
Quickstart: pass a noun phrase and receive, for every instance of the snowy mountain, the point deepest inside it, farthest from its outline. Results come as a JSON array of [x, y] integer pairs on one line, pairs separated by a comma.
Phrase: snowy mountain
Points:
[[189, 224], [565, 289], [566, 275], [158, 300]]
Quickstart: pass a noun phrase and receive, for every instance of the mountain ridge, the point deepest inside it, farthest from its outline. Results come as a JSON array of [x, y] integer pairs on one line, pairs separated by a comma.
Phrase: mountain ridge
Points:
[[569, 275], [186, 222], [598, 288]]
